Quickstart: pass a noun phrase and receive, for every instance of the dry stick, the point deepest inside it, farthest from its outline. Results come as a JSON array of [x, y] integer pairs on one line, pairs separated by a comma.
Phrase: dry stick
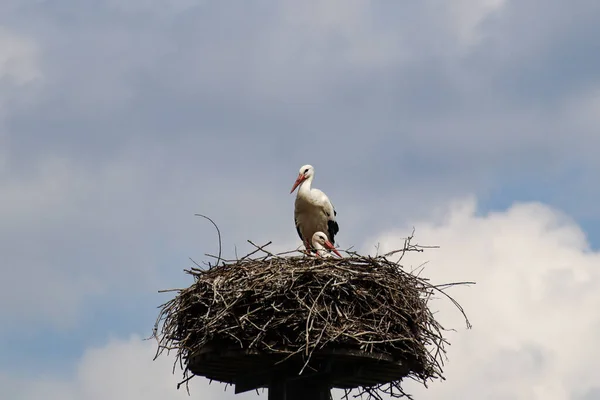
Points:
[[258, 248], [262, 248], [447, 285], [310, 314], [218, 258], [404, 248], [218, 233], [197, 265]]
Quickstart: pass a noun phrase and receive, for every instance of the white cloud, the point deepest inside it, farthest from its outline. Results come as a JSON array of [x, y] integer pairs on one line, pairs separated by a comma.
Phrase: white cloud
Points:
[[534, 307], [534, 311], [122, 369]]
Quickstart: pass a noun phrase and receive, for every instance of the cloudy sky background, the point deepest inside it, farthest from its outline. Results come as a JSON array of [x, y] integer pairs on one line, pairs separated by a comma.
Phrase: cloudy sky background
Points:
[[476, 122]]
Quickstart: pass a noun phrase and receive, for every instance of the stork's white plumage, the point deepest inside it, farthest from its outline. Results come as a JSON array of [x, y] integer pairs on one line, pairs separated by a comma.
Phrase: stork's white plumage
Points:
[[313, 212], [322, 245]]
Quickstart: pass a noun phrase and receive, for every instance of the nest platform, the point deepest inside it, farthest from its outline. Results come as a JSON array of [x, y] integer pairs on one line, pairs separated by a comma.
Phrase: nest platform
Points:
[[341, 368], [351, 323]]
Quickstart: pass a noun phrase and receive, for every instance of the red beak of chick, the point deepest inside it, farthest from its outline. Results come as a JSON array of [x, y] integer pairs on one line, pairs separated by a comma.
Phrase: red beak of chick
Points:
[[299, 180], [330, 247]]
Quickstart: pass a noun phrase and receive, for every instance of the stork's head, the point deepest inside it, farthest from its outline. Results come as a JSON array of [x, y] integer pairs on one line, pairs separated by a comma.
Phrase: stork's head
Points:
[[320, 239], [306, 171]]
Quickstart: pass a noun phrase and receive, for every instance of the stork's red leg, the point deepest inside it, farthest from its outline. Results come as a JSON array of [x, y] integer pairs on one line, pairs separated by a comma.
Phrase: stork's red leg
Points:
[[307, 248]]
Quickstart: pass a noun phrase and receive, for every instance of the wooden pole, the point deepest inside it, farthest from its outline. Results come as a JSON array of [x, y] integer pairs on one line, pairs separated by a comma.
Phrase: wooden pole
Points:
[[277, 390], [299, 389]]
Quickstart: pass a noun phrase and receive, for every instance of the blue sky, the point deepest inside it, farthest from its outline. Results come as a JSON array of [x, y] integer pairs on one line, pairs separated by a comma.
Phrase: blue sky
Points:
[[121, 119]]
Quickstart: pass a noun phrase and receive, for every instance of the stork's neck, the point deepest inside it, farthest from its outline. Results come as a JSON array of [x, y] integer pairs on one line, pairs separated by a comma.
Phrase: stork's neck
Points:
[[304, 188]]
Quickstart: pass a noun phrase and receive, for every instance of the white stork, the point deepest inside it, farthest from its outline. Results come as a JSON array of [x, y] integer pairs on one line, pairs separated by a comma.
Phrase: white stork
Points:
[[313, 212], [320, 243]]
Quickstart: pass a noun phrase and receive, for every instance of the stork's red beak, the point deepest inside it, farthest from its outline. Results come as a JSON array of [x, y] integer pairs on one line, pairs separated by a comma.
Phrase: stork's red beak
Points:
[[330, 247], [299, 180]]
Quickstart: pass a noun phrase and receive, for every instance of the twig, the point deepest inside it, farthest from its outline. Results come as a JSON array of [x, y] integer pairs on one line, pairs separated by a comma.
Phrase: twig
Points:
[[218, 234], [258, 248]]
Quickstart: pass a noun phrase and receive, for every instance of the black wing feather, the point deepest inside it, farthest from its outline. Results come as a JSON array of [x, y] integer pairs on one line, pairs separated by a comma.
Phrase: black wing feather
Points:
[[332, 229], [299, 234]]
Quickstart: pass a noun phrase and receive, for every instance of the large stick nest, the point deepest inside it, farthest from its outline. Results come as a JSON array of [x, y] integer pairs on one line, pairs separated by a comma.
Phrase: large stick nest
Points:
[[289, 306]]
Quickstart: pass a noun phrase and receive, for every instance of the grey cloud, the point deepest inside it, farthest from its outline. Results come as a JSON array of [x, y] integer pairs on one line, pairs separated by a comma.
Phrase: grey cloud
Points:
[[541, 51], [270, 76], [208, 107]]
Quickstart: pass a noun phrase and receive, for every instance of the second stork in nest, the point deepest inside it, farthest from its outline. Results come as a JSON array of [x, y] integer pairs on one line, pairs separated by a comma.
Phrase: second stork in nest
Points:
[[313, 211], [323, 246]]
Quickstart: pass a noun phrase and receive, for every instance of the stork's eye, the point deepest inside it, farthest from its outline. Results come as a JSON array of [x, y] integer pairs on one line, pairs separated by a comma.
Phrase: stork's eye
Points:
[[306, 170]]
